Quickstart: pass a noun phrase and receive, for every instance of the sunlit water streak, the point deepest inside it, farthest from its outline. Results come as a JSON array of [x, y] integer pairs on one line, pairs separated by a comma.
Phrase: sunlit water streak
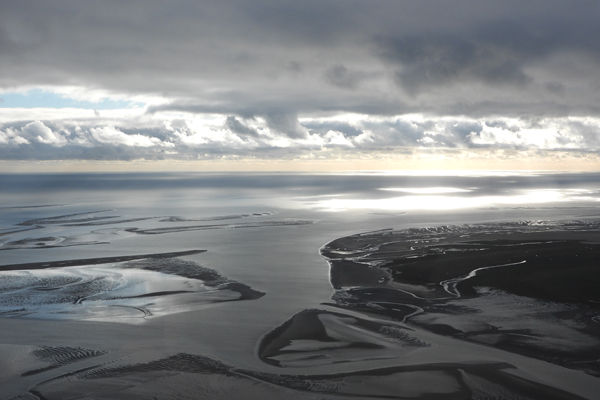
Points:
[[440, 202]]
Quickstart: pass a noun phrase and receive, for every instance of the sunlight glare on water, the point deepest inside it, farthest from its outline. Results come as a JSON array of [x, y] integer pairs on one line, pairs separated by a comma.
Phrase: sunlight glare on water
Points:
[[428, 201], [430, 190]]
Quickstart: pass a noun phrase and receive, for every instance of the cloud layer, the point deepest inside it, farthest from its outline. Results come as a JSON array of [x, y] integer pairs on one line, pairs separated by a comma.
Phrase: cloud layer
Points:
[[214, 136], [282, 79]]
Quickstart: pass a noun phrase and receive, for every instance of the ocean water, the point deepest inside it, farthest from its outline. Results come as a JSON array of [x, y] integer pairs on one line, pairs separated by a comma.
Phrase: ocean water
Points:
[[197, 285]]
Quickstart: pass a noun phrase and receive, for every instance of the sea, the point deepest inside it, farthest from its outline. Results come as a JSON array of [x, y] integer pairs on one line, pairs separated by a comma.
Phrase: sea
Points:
[[219, 285]]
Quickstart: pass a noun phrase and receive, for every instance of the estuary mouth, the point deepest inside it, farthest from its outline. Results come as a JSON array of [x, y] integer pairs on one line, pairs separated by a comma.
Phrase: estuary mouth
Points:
[[106, 294]]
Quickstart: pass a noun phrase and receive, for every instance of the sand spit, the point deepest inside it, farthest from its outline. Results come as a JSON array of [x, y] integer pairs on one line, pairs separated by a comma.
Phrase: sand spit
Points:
[[82, 217], [215, 218], [88, 218], [95, 261], [32, 207], [190, 376], [115, 289], [318, 337], [47, 242], [260, 224], [10, 231]]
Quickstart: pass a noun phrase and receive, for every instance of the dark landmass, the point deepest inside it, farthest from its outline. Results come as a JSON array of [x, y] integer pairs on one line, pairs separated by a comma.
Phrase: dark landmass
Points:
[[559, 270], [525, 287], [94, 261], [177, 266]]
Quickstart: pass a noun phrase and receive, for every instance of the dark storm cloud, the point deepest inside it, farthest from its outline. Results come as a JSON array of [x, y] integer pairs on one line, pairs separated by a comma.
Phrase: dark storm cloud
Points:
[[341, 77], [169, 48], [237, 127], [310, 21], [324, 127], [285, 123], [438, 60], [303, 102], [495, 53]]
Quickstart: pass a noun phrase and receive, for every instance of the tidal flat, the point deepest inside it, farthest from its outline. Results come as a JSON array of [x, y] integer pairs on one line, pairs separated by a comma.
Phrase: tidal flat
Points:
[[269, 286]]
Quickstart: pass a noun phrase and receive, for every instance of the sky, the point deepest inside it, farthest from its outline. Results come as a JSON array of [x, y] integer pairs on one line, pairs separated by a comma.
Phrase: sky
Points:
[[303, 85]]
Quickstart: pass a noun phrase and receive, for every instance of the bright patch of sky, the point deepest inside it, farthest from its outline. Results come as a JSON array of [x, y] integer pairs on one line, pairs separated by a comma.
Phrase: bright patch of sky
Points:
[[40, 98]]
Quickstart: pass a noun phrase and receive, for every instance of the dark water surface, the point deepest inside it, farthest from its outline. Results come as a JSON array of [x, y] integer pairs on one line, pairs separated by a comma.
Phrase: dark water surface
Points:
[[373, 285]]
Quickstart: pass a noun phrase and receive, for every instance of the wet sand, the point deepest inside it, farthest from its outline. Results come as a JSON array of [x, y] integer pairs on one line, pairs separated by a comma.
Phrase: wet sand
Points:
[[115, 289]]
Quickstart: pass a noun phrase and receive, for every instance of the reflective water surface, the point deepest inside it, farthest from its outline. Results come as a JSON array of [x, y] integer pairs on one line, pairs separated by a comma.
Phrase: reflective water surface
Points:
[[372, 285]]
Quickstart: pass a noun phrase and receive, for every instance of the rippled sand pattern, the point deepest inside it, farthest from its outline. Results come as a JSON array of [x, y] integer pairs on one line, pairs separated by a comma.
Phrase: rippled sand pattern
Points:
[[433, 381], [127, 291]]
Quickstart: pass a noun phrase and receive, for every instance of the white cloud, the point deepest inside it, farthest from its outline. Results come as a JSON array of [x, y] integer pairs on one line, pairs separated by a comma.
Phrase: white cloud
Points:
[[38, 131], [20, 140], [186, 135], [4, 138], [32, 132], [550, 133], [334, 138], [110, 135]]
